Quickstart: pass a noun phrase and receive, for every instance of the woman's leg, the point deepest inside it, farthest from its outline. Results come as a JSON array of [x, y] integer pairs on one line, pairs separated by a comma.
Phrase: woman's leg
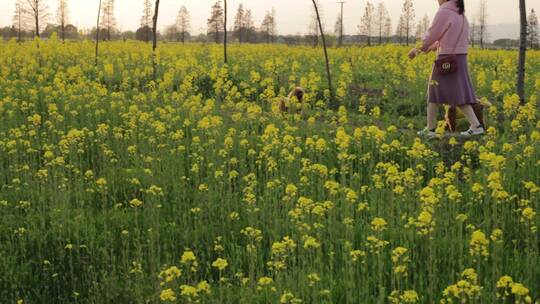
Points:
[[468, 112], [432, 115]]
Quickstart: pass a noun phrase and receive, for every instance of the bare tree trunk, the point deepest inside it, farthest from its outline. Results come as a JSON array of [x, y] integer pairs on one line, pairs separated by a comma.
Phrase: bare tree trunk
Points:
[[482, 19], [97, 32], [154, 43], [407, 37], [341, 25], [225, 34], [154, 28], [63, 32], [325, 55], [482, 33], [522, 52], [19, 27], [482, 29], [36, 17]]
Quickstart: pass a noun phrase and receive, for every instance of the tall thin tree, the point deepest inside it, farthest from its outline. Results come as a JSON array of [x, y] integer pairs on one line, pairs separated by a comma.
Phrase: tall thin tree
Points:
[[183, 22], [172, 33], [533, 31], [215, 22], [273, 25], [97, 32], [341, 3], [422, 27], [239, 26], [268, 26], [381, 16], [388, 28], [400, 29], [314, 25], [146, 19], [108, 22], [248, 25], [62, 14], [337, 29], [154, 34], [366, 26], [19, 20], [522, 51], [408, 16], [330, 88], [474, 32], [38, 11], [225, 59], [154, 27], [482, 22]]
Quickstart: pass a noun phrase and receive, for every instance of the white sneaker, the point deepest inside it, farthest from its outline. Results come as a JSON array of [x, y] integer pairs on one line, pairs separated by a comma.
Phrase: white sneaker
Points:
[[473, 132], [427, 133]]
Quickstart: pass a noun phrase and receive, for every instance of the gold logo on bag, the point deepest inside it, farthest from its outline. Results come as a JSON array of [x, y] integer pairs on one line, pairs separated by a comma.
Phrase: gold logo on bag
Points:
[[446, 66]]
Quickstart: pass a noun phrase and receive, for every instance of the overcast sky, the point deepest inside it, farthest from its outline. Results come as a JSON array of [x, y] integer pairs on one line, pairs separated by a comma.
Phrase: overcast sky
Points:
[[292, 15]]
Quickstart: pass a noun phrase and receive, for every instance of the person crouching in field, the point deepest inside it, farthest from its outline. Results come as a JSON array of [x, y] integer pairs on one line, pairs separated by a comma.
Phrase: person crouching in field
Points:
[[294, 102], [450, 83]]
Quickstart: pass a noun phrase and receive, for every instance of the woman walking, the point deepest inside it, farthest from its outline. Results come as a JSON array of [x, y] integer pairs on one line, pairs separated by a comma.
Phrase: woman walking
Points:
[[450, 82]]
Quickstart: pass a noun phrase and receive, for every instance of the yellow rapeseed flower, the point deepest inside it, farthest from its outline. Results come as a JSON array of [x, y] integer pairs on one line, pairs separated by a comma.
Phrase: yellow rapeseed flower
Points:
[[220, 263]]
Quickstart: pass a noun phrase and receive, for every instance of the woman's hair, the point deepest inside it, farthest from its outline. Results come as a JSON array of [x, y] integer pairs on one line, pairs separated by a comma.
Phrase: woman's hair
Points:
[[298, 92], [461, 6]]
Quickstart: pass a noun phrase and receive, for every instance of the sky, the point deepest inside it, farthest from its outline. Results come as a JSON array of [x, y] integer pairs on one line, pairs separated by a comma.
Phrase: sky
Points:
[[293, 16]]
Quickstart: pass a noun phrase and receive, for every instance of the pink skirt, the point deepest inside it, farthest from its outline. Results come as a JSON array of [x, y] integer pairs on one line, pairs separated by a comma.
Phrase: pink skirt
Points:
[[454, 89]]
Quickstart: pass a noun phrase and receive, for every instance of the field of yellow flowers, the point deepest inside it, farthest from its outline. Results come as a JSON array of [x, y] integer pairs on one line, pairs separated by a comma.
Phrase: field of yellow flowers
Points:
[[193, 188]]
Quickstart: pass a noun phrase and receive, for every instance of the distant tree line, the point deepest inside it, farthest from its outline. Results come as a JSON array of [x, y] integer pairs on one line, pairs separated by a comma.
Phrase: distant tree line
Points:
[[32, 18]]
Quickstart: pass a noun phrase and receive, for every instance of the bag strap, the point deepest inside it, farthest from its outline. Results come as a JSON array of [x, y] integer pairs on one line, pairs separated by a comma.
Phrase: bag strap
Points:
[[460, 34]]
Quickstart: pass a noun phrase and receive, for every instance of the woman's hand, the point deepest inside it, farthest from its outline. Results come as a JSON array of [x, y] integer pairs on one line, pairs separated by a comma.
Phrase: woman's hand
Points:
[[413, 53]]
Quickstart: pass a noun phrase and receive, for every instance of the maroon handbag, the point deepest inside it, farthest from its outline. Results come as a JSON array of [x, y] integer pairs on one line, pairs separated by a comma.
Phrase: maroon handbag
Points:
[[448, 65]]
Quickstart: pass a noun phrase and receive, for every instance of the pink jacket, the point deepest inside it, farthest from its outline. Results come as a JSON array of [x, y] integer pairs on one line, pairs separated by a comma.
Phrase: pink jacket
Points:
[[446, 29]]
